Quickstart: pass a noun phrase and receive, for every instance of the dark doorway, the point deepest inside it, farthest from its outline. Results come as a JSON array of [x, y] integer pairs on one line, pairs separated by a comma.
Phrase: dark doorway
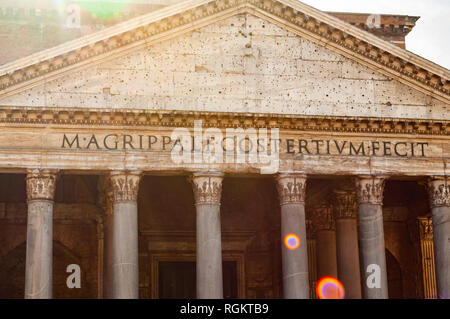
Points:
[[177, 279]]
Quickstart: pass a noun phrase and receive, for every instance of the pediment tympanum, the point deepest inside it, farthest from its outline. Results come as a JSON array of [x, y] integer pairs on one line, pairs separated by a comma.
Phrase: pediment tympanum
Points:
[[234, 56]]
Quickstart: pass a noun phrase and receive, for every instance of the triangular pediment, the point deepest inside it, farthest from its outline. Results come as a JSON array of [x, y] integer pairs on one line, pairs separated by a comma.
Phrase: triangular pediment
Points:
[[328, 35]]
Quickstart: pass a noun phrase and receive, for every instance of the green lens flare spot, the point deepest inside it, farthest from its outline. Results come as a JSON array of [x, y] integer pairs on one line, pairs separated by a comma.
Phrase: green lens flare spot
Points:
[[101, 9]]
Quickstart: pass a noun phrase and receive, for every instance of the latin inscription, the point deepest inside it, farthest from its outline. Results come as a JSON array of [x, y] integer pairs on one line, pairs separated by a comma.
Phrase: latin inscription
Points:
[[162, 143]]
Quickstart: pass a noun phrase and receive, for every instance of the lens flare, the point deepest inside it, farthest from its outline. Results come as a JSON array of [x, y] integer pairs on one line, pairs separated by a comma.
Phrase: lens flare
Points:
[[291, 241], [101, 9], [330, 288]]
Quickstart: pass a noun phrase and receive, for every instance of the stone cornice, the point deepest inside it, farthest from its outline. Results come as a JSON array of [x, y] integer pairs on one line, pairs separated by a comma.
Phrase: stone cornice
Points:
[[185, 16], [149, 118]]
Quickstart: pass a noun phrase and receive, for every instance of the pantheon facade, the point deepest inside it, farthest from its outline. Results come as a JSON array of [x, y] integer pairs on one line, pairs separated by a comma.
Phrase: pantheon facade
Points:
[[169, 155]]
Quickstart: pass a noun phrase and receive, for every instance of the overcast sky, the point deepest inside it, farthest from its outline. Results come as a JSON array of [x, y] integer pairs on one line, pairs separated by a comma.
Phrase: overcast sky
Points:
[[430, 38]]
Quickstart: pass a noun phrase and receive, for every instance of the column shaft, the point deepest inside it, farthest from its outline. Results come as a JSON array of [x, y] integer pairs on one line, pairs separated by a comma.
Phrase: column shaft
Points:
[[291, 189], [322, 217], [326, 257], [439, 192], [39, 256], [371, 234], [349, 273], [125, 263], [207, 188]]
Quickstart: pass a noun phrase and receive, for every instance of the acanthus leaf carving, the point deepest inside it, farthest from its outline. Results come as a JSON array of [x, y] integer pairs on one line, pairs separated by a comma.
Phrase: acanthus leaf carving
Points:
[[345, 204], [369, 189], [322, 218], [207, 187], [291, 188], [125, 186], [439, 192], [41, 184]]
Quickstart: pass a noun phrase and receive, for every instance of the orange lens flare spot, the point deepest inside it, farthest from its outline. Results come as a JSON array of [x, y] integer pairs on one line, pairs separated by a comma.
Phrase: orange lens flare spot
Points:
[[330, 288], [291, 241]]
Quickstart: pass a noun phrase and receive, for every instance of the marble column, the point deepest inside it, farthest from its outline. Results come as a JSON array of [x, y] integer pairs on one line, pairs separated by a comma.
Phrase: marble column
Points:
[[207, 187], [439, 194], [39, 257], [369, 193], [291, 190], [323, 221], [125, 263], [345, 214]]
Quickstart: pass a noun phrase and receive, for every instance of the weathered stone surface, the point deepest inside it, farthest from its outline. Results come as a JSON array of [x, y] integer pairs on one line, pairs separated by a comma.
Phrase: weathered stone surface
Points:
[[237, 65]]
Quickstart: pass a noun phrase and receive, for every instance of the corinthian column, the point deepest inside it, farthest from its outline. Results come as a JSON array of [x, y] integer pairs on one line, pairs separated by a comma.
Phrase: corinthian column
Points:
[[39, 258], [345, 213], [291, 190], [439, 194], [323, 221], [207, 188], [369, 192], [125, 264]]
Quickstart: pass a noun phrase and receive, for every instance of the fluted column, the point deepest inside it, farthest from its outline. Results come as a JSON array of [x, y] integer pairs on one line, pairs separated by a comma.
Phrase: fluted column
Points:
[[207, 187], [125, 263], [427, 253], [291, 190], [345, 213], [323, 221], [369, 192], [439, 194], [39, 257]]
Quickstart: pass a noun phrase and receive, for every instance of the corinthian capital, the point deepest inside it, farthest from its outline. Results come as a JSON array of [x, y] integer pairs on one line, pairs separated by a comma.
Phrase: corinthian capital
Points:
[[369, 189], [345, 204], [207, 187], [125, 185], [322, 218], [425, 228], [439, 191], [291, 188], [41, 184]]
